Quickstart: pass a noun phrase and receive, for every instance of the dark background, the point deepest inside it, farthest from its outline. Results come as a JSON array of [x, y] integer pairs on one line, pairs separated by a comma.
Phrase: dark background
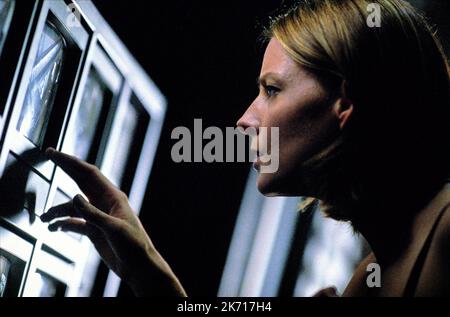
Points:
[[205, 57]]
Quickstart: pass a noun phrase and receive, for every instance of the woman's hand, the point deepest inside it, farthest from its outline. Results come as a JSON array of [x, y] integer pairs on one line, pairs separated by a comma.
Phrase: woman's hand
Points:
[[114, 229]]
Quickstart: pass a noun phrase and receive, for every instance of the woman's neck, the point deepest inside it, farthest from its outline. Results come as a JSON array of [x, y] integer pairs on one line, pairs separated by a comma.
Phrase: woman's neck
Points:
[[386, 222]]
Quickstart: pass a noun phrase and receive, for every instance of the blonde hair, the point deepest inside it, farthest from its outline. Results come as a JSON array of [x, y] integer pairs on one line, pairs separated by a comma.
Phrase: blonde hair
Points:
[[397, 76]]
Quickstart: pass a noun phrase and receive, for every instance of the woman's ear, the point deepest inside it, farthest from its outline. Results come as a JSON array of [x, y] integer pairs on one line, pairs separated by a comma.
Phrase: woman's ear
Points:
[[343, 109]]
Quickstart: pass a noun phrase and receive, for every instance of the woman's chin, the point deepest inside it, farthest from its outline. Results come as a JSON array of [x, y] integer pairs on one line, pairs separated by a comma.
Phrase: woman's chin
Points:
[[280, 184], [268, 185]]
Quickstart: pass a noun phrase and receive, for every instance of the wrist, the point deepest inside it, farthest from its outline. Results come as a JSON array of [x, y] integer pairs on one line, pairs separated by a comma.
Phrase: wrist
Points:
[[160, 283], [155, 278]]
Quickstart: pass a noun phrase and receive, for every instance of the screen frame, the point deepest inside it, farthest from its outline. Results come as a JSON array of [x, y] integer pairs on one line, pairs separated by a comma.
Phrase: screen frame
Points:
[[48, 261]]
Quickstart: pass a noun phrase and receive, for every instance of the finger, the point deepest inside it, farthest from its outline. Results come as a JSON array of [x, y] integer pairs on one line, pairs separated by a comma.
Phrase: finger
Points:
[[63, 210], [73, 225], [87, 176], [78, 226], [92, 214]]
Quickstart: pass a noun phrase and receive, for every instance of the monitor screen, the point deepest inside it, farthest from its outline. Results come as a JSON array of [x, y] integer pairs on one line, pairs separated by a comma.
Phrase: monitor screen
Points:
[[43, 84], [95, 96], [6, 11], [12, 270], [4, 272], [128, 127]]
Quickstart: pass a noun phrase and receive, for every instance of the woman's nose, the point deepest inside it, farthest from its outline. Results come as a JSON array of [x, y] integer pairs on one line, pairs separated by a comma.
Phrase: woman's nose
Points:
[[249, 119]]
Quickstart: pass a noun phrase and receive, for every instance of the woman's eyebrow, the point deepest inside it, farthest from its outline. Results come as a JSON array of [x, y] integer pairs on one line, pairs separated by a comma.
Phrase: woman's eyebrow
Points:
[[263, 79]]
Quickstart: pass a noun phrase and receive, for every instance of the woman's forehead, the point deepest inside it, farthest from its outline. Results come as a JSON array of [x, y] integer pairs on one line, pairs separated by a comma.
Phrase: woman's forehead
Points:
[[278, 63], [275, 57]]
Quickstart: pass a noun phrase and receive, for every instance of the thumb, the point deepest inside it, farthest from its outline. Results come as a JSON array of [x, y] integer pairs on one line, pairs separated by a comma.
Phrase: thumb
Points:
[[92, 214]]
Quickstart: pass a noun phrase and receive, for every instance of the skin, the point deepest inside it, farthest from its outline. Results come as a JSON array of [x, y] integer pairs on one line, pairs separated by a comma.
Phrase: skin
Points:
[[116, 232], [294, 100]]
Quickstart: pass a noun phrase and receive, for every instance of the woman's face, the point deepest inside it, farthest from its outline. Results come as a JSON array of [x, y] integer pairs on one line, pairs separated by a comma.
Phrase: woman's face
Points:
[[293, 100]]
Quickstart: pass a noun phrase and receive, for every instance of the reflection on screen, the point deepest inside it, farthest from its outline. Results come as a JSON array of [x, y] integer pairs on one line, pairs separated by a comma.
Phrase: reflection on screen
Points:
[[12, 269], [93, 99], [6, 10], [4, 272], [43, 84], [128, 128]]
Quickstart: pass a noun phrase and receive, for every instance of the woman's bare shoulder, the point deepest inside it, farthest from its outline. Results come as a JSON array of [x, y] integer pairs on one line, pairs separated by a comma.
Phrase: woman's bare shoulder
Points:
[[357, 285], [435, 276]]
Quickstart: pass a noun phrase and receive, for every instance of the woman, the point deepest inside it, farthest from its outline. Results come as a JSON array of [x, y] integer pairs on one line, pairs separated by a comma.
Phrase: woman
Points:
[[364, 124]]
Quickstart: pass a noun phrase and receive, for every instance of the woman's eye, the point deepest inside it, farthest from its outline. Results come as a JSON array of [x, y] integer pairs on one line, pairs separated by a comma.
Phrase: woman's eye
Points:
[[271, 90]]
